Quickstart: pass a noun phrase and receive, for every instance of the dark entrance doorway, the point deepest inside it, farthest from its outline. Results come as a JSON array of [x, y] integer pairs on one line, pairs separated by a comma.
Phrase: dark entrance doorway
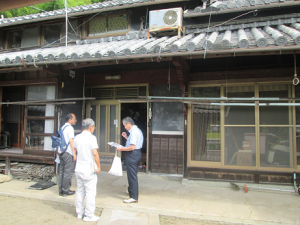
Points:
[[12, 117], [138, 112]]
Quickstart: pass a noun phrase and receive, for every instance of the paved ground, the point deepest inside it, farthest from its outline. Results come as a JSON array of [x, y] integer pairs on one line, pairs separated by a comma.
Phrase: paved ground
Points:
[[163, 198]]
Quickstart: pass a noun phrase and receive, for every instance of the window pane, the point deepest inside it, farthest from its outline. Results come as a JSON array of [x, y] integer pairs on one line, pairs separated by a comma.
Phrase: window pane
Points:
[[240, 149], [206, 92], [41, 92], [103, 133], [113, 127], [30, 37], [52, 34], [117, 24], [40, 126], [38, 143], [206, 133], [276, 115], [240, 114], [279, 147], [40, 110], [16, 39], [72, 31], [97, 26]]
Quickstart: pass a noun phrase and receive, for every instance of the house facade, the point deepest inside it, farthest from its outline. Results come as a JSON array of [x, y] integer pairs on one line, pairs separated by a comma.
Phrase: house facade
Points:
[[213, 87]]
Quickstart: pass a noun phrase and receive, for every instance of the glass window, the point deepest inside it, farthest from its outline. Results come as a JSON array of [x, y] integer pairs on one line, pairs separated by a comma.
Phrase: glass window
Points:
[[14, 39], [240, 146], [72, 31], [103, 133], [39, 126], [206, 134], [278, 147], [108, 25], [276, 115], [36, 125], [30, 37], [241, 115], [52, 34], [117, 24], [113, 127], [37, 142], [97, 26]]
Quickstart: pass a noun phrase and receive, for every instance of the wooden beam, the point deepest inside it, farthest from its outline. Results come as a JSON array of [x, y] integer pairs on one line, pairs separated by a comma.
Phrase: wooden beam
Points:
[[52, 69], [28, 82], [20, 69], [113, 62], [14, 4]]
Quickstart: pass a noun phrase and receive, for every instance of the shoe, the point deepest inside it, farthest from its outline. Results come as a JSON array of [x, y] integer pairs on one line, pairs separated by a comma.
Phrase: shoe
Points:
[[79, 216], [91, 219], [64, 194], [127, 192], [130, 200]]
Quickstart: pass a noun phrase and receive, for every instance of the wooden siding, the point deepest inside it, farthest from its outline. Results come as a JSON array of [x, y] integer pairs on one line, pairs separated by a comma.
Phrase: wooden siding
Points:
[[167, 154]]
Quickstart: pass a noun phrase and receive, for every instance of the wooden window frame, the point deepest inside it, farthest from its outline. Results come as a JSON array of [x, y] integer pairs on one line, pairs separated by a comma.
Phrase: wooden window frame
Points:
[[86, 27]]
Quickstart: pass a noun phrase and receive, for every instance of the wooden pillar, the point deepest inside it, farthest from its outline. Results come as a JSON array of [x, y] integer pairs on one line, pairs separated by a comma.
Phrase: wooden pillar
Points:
[[182, 69], [7, 166]]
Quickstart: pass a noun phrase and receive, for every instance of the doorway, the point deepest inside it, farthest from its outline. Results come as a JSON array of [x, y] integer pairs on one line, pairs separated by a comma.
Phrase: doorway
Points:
[[12, 117], [138, 112]]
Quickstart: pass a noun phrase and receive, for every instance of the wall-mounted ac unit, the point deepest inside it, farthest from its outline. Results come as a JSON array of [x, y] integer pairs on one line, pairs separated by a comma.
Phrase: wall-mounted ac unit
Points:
[[165, 18]]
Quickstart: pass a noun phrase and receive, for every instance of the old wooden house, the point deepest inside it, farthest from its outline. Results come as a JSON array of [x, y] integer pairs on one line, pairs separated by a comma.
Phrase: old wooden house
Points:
[[212, 84]]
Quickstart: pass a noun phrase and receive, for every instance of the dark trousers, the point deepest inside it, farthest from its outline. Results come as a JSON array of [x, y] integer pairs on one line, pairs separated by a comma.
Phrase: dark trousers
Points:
[[66, 170], [132, 160]]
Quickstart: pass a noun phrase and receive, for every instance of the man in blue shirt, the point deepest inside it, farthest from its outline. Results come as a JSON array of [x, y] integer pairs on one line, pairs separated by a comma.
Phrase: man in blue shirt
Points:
[[133, 157]]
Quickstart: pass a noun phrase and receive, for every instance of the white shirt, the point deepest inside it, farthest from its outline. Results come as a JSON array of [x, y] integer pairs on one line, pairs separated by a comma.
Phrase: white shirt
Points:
[[135, 138], [85, 142], [68, 134]]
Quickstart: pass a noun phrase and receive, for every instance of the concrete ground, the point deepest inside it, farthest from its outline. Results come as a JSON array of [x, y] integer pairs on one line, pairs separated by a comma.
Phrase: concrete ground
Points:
[[214, 202]]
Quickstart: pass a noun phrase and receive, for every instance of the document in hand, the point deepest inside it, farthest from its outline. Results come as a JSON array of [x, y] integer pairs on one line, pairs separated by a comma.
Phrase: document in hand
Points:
[[114, 144]]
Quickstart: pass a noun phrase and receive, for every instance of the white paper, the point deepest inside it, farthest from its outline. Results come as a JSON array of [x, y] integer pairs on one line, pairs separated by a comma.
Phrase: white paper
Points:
[[114, 144]]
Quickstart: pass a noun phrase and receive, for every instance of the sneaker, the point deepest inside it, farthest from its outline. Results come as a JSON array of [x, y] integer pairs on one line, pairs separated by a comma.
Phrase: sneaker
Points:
[[91, 219], [130, 200], [79, 216]]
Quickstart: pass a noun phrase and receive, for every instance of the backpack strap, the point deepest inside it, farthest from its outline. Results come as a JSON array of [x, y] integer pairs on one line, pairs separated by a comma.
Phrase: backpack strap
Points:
[[62, 131]]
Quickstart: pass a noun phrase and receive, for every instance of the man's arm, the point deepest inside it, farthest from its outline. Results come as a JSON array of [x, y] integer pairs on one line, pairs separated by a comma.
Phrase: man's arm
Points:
[[97, 160], [126, 149], [73, 149]]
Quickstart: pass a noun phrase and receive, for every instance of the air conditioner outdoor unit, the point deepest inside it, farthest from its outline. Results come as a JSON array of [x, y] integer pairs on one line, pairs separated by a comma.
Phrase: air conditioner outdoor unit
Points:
[[165, 18]]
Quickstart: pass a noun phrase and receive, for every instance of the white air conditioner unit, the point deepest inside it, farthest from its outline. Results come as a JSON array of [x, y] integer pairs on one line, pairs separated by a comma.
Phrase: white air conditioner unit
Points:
[[165, 18]]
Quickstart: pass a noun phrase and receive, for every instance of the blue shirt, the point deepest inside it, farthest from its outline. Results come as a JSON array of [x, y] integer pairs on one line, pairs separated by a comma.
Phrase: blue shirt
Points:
[[135, 138]]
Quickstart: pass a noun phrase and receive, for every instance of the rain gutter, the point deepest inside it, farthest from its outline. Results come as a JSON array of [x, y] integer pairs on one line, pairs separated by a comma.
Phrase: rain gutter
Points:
[[158, 57]]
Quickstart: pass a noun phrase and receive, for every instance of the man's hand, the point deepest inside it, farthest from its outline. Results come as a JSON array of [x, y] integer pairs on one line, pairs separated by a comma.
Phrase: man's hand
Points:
[[74, 157], [124, 135], [98, 170], [119, 149]]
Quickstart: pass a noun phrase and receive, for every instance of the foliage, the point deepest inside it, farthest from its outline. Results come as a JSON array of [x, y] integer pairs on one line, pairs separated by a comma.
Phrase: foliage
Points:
[[47, 6]]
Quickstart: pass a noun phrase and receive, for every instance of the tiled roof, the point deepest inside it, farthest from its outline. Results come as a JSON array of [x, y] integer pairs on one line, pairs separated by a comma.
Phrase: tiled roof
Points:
[[229, 6], [81, 10], [268, 34]]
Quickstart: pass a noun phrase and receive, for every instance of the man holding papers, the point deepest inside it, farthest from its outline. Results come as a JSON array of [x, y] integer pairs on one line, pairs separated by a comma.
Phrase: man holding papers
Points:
[[133, 157]]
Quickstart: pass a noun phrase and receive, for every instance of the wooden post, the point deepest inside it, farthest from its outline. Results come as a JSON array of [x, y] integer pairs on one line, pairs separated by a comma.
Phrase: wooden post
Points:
[[7, 166]]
